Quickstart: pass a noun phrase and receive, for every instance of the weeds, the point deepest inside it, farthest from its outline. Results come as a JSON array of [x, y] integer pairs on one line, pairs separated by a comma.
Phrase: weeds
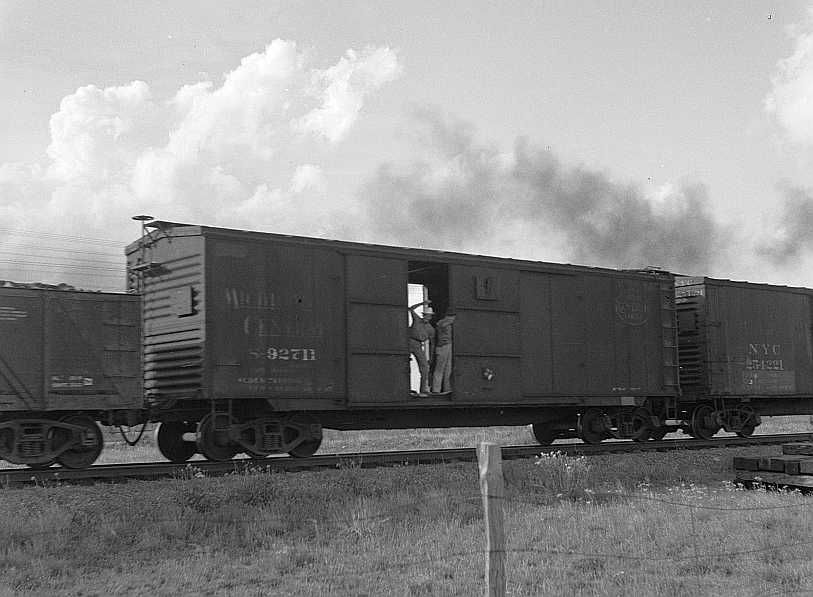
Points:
[[563, 477], [410, 530]]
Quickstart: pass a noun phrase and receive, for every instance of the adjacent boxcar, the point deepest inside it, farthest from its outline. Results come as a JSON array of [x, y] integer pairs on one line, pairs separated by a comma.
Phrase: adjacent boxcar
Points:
[[254, 341], [745, 350], [67, 360]]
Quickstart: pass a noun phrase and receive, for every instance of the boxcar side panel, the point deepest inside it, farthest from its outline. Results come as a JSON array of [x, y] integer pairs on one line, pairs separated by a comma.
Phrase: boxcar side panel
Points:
[[592, 335], [568, 335], [275, 320], [537, 347], [378, 353], [758, 340], [64, 350], [487, 337], [21, 350], [168, 269], [606, 355], [633, 336], [93, 351]]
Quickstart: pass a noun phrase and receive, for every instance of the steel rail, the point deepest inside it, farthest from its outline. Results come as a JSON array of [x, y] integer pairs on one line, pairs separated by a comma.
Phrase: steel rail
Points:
[[201, 468]]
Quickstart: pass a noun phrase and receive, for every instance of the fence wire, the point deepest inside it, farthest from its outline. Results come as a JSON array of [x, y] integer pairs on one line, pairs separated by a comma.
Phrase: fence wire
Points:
[[18, 536]]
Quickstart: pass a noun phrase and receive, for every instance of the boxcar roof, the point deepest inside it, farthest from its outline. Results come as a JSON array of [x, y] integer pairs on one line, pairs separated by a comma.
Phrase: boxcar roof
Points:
[[697, 280], [179, 229]]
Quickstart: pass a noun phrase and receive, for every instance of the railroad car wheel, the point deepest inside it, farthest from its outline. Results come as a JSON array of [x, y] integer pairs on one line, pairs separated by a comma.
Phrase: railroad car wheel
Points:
[[40, 466], [213, 440], [658, 433], [746, 431], [306, 449], [592, 426], [299, 424], [641, 424], [92, 443], [543, 433], [703, 424], [169, 437]]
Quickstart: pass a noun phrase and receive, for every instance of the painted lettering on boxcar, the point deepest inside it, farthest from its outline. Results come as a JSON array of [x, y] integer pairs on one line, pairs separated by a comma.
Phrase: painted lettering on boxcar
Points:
[[279, 381], [276, 353], [12, 314], [764, 357], [272, 325], [241, 298], [630, 303], [62, 382], [766, 369], [690, 291], [769, 382]]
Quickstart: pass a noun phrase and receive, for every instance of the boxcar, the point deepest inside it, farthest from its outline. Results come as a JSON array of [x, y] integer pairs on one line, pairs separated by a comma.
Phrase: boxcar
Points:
[[67, 360], [745, 350], [255, 341]]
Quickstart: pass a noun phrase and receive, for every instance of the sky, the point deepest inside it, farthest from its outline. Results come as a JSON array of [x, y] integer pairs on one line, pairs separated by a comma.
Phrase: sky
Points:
[[625, 135]]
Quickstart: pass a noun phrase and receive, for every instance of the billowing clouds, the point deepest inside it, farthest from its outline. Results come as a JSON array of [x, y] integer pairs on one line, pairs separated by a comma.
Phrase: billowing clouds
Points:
[[343, 87], [230, 141], [91, 133], [794, 235], [469, 196], [236, 153], [790, 101]]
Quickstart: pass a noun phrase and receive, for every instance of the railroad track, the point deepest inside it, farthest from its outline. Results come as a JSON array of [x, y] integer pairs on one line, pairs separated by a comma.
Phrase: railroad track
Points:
[[155, 470]]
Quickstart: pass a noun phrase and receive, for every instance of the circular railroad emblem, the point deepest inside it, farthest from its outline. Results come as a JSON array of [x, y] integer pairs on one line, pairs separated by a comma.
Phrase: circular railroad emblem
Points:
[[630, 304]]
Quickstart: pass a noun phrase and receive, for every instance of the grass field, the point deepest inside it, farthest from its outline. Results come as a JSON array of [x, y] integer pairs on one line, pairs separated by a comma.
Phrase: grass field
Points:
[[646, 524]]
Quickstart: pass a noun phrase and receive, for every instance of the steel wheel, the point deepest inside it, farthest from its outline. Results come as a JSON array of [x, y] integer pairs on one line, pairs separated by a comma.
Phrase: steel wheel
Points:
[[85, 454], [40, 465], [747, 430], [658, 433], [592, 426], [543, 433], [306, 449], [297, 426], [642, 424], [703, 424], [169, 437], [213, 440]]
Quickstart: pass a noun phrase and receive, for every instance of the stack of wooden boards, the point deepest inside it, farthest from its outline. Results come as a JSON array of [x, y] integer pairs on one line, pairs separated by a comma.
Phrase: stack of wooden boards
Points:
[[793, 468]]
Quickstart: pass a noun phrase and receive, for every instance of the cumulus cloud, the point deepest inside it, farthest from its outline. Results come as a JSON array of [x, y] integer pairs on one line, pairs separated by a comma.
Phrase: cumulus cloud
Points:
[[790, 100], [343, 88], [91, 132], [790, 103], [232, 153], [467, 195]]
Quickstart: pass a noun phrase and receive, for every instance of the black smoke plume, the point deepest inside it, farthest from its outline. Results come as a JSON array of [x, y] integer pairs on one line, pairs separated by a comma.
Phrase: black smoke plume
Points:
[[465, 195]]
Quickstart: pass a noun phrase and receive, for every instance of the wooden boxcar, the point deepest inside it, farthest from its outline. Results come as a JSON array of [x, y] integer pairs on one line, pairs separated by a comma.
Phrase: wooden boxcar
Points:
[[67, 360], [254, 341], [745, 350]]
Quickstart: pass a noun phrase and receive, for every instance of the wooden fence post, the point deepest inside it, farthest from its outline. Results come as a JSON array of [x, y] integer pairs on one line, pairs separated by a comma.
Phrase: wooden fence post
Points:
[[491, 487]]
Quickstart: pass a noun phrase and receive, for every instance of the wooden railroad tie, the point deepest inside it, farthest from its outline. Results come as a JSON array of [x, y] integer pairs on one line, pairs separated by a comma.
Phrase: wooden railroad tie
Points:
[[794, 468]]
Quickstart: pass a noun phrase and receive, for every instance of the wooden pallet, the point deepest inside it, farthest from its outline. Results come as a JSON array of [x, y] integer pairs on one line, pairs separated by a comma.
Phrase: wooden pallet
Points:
[[793, 469]]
